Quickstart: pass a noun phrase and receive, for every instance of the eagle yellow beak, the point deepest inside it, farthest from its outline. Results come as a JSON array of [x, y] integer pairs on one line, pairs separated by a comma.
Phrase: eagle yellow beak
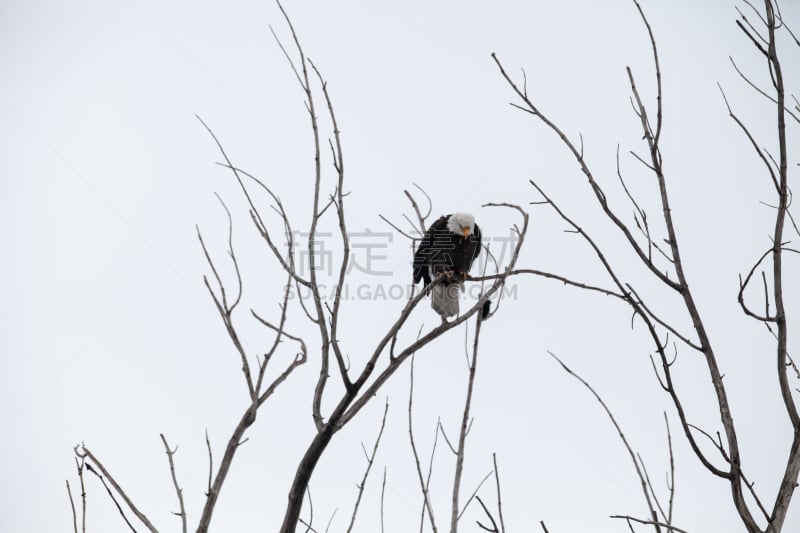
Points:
[[465, 231]]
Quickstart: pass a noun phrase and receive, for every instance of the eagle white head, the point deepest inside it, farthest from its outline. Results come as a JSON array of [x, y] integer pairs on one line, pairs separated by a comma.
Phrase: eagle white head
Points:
[[461, 224]]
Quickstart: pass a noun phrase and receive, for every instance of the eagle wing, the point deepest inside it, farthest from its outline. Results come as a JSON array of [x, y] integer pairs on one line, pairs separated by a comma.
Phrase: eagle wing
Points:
[[426, 251]]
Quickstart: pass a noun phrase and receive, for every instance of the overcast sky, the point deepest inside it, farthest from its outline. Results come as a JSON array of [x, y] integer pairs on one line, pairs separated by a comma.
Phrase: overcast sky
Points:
[[108, 335]]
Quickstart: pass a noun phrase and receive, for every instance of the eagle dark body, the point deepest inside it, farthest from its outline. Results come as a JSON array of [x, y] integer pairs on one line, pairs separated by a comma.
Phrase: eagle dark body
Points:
[[449, 246], [441, 250]]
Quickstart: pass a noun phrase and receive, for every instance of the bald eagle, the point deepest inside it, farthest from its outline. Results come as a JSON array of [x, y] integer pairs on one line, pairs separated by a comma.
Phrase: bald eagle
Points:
[[449, 246]]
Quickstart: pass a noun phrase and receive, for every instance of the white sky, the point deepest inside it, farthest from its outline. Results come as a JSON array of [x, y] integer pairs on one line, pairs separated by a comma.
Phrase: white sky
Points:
[[108, 336]]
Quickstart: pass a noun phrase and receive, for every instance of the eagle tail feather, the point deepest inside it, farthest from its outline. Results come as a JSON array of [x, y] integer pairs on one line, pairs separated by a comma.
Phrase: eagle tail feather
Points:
[[444, 299]]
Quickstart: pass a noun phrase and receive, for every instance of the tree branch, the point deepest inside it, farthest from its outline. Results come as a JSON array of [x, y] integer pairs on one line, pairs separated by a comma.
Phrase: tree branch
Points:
[[462, 435], [178, 490], [426, 504]]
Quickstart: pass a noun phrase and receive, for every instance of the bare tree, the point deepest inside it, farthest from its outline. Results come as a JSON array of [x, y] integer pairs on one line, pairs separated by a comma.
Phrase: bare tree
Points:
[[660, 255], [348, 382]]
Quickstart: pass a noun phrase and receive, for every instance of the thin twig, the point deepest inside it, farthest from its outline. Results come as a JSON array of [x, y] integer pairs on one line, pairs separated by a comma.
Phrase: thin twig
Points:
[[474, 494], [370, 461], [210, 463], [330, 520], [310, 511], [225, 311], [671, 482], [420, 218], [111, 495], [178, 490], [72, 505], [493, 529], [85, 452], [759, 90], [426, 504], [664, 323], [650, 523], [497, 488], [398, 230], [446, 438], [750, 138], [549, 275], [623, 438], [80, 462], [383, 494], [462, 435]]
